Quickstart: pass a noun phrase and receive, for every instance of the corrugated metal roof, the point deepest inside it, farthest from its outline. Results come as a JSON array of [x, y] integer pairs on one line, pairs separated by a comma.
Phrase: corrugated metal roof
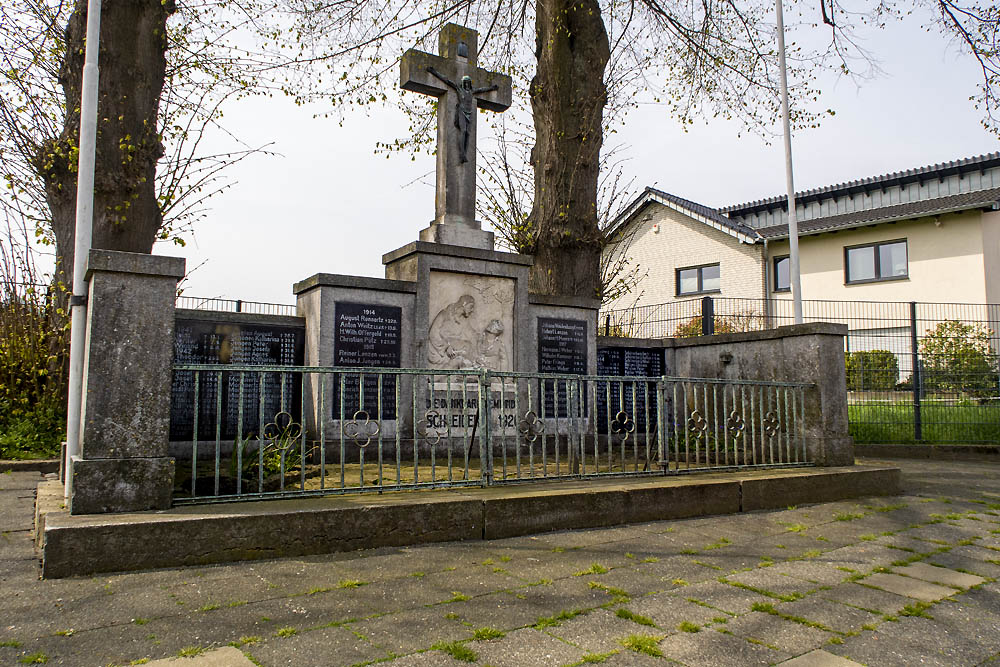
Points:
[[699, 212], [939, 205], [941, 170]]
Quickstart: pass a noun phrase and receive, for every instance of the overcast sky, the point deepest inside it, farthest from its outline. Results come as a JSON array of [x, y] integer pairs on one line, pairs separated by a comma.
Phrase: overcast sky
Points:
[[330, 204]]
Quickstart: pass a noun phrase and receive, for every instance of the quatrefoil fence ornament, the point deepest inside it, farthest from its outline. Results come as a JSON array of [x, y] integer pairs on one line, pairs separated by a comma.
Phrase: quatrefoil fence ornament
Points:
[[736, 425], [531, 426], [362, 427], [770, 424], [283, 431], [697, 424], [425, 427], [623, 426]]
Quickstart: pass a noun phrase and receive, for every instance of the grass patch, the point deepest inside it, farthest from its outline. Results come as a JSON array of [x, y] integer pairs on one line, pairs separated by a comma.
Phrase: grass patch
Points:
[[918, 609], [718, 544], [870, 537], [635, 618], [688, 626], [645, 644], [795, 527], [486, 634], [287, 631], [556, 619], [941, 424], [211, 606], [595, 568], [351, 583], [593, 658], [37, 658], [679, 582], [457, 650], [457, 596], [10, 643], [650, 559], [190, 651], [619, 594]]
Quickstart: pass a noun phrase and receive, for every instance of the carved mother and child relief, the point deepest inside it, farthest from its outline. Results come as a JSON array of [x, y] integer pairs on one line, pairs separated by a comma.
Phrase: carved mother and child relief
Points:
[[469, 331]]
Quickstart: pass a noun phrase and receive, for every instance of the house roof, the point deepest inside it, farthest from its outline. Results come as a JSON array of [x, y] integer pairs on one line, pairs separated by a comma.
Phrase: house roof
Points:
[[699, 212], [928, 207], [918, 175]]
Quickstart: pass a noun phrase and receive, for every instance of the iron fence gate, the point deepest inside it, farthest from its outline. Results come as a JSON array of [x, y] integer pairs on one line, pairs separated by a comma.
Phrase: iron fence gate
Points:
[[274, 431]]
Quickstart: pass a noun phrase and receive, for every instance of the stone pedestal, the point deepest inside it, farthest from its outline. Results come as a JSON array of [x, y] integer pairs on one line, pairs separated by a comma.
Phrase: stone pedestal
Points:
[[124, 462]]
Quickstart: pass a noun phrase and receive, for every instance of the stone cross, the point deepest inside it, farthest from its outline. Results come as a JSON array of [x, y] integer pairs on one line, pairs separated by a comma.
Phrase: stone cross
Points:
[[461, 87]]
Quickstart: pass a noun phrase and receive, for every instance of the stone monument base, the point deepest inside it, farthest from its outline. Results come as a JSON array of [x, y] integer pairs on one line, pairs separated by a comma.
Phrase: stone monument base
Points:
[[458, 235]]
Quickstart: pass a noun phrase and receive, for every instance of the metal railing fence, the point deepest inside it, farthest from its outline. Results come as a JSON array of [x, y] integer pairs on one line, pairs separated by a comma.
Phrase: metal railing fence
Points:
[[916, 372], [275, 431], [234, 306]]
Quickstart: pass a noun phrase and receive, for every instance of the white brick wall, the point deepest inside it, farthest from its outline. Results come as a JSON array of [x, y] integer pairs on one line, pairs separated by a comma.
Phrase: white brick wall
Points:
[[682, 242]]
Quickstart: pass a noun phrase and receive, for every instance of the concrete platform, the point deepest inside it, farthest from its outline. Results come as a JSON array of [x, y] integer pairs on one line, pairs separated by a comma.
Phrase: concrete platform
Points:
[[206, 534]]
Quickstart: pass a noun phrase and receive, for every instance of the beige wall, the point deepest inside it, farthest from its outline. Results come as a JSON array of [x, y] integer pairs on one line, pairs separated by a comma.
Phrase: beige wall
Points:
[[681, 242], [991, 255], [945, 262]]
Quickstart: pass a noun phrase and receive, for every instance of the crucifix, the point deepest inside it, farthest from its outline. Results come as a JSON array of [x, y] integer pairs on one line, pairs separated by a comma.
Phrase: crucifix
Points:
[[461, 87]]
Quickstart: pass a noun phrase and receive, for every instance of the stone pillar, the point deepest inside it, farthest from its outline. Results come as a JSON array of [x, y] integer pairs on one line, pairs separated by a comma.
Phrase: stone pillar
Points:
[[817, 356], [124, 464]]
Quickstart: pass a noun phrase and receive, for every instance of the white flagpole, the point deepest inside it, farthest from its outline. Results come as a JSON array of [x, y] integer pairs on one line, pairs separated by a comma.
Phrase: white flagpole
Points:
[[84, 231], [793, 225]]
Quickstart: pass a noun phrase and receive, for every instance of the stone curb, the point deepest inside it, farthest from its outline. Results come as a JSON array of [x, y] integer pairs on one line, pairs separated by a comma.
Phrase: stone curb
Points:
[[32, 465], [75, 545], [938, 452]]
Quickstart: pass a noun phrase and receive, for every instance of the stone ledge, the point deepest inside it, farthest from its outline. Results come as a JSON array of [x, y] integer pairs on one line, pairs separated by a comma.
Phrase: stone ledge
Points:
[[133, 262], [30, 465], [238, 318], [566, 301], [354, 282], [206, 534], [938, 452], [428, 248]]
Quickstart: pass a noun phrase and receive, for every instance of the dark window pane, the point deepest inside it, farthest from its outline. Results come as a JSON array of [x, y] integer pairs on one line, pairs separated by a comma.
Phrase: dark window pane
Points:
[[688, 281], [710, 278], [782, 273], [861, 263], [892, 260]]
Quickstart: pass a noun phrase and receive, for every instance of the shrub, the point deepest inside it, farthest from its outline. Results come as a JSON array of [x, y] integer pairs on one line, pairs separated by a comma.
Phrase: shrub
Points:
[[872, 370], [734, 323], [957, 358], [33, 356]]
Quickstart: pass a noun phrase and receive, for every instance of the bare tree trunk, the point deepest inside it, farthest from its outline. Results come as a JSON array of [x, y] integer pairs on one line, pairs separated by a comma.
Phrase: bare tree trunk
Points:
[[132, 65], [567, 100]]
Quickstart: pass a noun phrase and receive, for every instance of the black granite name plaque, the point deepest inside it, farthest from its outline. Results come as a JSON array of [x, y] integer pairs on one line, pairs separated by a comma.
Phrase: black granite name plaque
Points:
[[562, 346], [219, 392], [366, 335], [562, 349], [636, 399]]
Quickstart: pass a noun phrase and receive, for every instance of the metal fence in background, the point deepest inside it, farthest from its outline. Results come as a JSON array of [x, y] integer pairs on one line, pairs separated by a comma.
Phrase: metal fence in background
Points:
[[234, 306], [916, 372], [277, 431]]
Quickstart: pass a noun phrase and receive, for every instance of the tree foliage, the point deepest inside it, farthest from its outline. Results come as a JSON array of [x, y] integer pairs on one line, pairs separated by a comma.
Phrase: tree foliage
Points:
[[957, 358]]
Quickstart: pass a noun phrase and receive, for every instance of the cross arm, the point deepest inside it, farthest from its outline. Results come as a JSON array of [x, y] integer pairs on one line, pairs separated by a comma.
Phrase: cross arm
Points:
[[413, 74], [496, 98]]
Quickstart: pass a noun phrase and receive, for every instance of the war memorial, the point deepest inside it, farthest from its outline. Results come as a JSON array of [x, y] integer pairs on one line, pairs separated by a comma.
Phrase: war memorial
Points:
[[211, 437]]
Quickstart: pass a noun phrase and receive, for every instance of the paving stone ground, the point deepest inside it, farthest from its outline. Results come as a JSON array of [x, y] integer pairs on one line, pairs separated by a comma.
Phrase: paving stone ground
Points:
[[905, 580]]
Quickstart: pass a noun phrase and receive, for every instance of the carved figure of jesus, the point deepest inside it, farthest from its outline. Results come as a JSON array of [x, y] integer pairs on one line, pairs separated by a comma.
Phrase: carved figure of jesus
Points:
[[464, 107]]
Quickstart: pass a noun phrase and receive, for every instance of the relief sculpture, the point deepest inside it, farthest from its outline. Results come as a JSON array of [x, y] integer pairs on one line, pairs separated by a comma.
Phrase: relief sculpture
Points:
[[469, 331]]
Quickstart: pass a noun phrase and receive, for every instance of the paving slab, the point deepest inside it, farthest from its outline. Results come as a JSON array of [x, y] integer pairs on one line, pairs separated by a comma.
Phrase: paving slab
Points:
[[912, 641], [940, 575], [819, 658], [316, 648], [227, 656], [600, 631], [912, 588], [788, 636], [864, 597], [709, 648], [527, 648], [834, 615], [668, 611]]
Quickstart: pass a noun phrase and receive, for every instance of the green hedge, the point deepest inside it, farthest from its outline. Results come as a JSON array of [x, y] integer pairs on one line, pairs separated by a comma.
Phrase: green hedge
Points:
[[872, 370]]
